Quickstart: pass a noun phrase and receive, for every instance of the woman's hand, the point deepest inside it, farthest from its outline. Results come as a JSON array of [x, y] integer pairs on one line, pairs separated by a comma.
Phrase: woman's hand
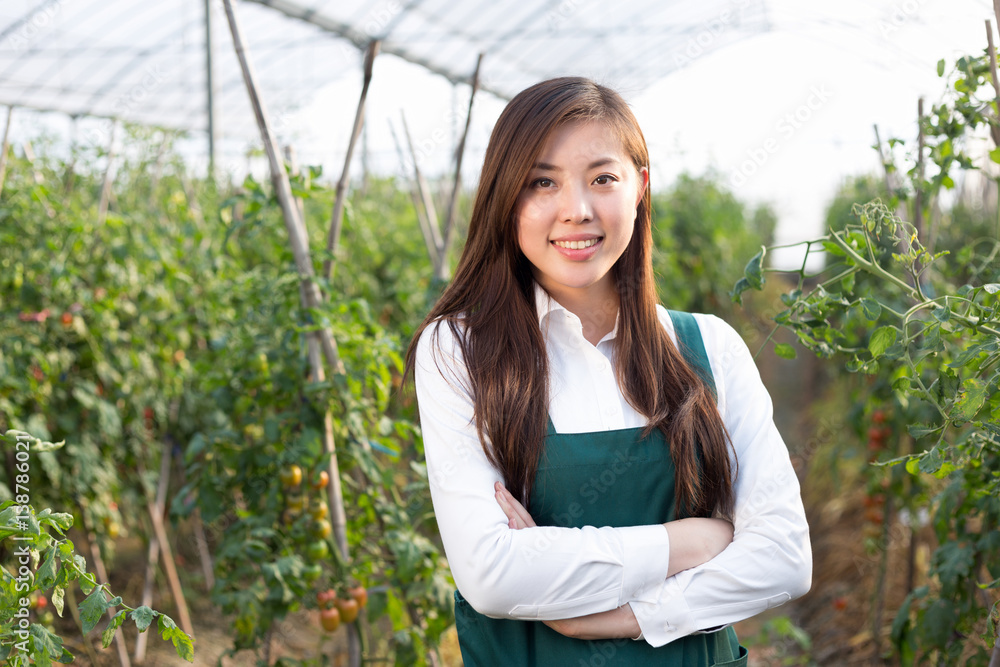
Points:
[[517, 516], [696, 540], [613, 624], [618, 623]]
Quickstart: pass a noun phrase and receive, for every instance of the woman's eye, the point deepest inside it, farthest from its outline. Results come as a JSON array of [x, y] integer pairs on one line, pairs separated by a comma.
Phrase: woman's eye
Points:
[[542, 183], [604, 179]]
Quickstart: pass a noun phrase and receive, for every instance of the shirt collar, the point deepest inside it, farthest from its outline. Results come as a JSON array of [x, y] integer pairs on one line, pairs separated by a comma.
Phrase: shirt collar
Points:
[[545, 306]]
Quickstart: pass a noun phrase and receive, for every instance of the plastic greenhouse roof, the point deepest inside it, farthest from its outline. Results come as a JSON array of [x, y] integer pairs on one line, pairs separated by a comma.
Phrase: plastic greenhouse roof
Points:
[[145, 62]]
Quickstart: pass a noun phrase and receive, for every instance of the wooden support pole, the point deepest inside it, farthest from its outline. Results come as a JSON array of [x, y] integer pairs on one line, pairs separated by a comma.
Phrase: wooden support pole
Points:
[[991, 49], [159, 530], [102, 207], [300, 248], [210, 100], [310, 294], [70, 175], [74, 610], [442, 270], [337, 218], [425, 193], [884, 160], [422, 220], [5, 148], [153, 552], [918, 200], [995, 79], [102, 577]]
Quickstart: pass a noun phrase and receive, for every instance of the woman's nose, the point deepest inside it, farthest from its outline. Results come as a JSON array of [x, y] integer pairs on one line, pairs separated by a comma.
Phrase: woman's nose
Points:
[[575, 205]]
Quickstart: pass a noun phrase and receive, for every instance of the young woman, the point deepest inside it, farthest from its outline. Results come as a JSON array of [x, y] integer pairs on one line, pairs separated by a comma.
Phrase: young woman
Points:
[[606, 475]]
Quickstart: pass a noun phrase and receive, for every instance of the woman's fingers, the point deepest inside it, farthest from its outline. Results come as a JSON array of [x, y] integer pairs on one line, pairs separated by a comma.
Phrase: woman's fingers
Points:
[[517, 516]]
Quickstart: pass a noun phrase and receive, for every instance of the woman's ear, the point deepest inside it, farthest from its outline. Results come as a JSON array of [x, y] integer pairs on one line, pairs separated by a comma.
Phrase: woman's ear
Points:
[[643, 184]]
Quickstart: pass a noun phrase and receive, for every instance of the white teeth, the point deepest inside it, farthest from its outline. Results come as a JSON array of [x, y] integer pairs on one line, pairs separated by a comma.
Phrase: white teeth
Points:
[[576, 245]]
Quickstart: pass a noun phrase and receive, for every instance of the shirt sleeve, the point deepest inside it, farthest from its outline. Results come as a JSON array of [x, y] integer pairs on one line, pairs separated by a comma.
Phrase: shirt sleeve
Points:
[[770, 560], [541, 573]]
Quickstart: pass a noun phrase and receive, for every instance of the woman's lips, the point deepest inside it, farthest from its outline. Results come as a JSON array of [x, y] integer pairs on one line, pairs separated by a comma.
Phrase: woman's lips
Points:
[[578, 248]]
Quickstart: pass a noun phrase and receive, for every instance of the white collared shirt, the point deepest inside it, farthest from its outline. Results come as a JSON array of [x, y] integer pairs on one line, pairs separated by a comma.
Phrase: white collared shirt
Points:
[[547, 572]]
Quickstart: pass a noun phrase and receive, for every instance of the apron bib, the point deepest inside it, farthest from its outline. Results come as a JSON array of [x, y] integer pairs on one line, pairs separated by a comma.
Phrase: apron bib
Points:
[[606, 478]]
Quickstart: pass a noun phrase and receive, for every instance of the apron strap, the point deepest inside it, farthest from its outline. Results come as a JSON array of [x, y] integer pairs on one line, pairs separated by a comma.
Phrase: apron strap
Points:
[[692, 347]]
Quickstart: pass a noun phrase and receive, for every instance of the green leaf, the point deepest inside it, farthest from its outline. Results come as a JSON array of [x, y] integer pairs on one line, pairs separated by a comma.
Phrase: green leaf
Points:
[[971, 398], [992, 288], [995, 155], [48, 644], [942, 314], [58, 599], [920, 430], [182, 643], [736, 294], [785, 351], [940, 71], [92, 608], [754, 270], [871, 308], [881, 340], [108, 635], [930, 462], [46, 574], [143, 616]]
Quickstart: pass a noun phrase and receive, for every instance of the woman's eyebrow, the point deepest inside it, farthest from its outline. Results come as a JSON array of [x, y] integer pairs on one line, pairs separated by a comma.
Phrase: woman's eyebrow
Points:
[[600, 162]]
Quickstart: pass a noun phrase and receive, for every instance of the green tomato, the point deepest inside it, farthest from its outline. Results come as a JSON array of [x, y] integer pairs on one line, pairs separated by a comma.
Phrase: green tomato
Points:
[[314, 571], [318, 550]]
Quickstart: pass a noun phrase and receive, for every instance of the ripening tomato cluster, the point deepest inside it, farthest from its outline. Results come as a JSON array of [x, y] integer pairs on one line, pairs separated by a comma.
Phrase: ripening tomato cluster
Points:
[[334, 609], [305, 502]]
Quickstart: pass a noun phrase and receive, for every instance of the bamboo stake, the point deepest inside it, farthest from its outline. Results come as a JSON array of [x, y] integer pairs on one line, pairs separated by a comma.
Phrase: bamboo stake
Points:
[[442, 269], [885, 161], [425, 228], [995, 122], [75, 612], [918, 201], [6, 147], [102, 576], [183, 617], [70, 176], [337, 219], [425, 194], [153, 552], [102, 208], [300, 249], [309, 291], [996, 10]]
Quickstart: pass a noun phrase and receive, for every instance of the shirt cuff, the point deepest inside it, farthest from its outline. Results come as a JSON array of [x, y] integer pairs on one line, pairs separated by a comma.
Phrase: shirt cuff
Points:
[[650, 609], [646, 552]]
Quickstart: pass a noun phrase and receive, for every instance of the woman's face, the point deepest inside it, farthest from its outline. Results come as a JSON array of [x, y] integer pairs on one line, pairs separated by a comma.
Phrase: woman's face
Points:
[[576, 213]]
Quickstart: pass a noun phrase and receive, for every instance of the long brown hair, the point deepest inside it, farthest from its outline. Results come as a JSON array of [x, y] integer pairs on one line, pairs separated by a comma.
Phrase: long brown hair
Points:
[[490, 307]]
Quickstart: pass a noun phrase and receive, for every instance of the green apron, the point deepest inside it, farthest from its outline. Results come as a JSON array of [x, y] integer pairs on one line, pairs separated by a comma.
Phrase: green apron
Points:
[[606, 478]]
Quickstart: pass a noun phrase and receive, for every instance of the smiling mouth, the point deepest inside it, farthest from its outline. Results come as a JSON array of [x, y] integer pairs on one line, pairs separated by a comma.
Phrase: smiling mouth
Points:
[[576, 245]]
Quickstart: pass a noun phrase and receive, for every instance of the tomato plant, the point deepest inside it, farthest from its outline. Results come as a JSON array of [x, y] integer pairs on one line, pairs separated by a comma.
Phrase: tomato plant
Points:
[[925, 331], [41, 560]]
